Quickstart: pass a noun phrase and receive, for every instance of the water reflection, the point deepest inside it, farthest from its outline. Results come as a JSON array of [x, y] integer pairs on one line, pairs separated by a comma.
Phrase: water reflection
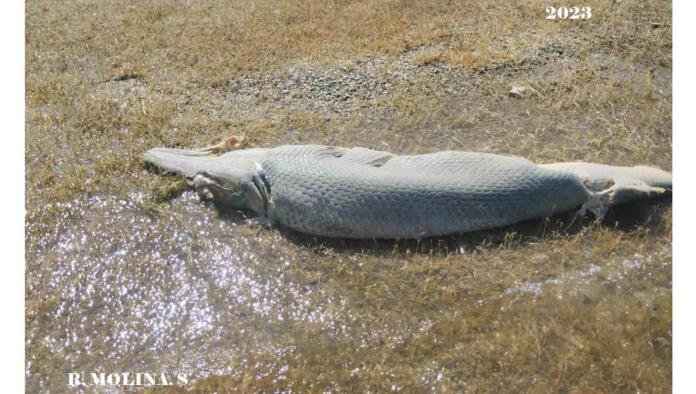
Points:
[[121, 288], [116, 286]]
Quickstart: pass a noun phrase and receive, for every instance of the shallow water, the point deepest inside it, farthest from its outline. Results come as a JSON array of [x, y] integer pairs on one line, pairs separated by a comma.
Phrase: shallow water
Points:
[[116, 283], [186, 289], [123, 295]]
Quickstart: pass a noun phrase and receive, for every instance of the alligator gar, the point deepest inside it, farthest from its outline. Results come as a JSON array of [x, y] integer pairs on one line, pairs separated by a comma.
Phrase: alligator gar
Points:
[[341, 192]]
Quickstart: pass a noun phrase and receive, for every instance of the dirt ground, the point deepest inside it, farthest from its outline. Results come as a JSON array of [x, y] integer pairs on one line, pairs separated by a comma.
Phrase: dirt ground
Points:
[[124, 273]]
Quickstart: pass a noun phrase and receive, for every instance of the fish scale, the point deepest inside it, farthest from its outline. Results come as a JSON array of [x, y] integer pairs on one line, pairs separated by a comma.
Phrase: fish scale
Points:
[[410, 196], [362, 193]]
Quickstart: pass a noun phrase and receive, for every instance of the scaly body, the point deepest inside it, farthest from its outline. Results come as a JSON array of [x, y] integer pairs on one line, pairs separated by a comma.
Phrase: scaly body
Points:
[[361, 193]]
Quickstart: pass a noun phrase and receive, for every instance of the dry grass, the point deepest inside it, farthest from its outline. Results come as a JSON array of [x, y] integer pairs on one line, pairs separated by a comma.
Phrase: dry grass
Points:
[[108, 80]]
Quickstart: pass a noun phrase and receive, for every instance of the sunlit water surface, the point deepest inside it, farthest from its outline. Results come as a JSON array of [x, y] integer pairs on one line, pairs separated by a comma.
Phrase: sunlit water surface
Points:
[[186, 290]]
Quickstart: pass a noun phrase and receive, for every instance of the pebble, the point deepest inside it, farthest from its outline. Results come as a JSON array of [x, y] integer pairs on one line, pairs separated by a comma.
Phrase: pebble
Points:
[[517, 91]]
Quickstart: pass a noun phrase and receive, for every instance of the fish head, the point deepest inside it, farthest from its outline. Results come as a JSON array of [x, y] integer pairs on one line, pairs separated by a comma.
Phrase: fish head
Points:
[[234, 180]]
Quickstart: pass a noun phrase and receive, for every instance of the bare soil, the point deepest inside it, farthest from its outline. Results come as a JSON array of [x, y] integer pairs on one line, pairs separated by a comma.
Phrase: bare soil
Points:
[[125, 275]]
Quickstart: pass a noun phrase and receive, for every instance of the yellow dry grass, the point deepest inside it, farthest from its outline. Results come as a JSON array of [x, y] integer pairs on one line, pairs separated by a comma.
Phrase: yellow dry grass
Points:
[[107, 80]]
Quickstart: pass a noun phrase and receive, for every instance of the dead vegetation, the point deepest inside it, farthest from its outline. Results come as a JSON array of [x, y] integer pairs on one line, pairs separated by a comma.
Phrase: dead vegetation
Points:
[[107, 80]]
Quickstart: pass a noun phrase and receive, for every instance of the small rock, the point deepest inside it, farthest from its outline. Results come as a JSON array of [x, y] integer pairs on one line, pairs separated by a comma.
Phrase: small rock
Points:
[[517, 91]]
